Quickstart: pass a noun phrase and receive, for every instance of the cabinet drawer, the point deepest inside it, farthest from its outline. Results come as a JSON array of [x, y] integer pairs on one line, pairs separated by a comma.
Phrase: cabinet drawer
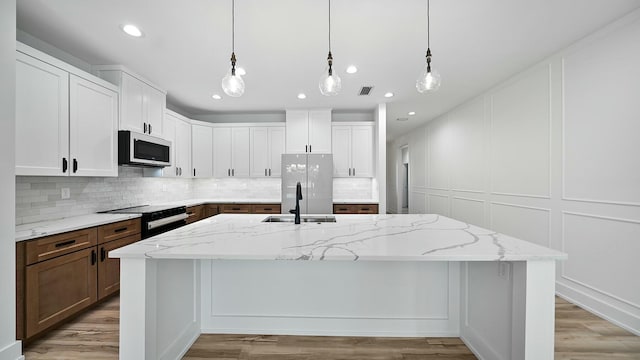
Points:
[[58, 288], [355, 208], [195, 213], [236, 209], [118, 230], [56, 245], [343, 209], [266, 209]]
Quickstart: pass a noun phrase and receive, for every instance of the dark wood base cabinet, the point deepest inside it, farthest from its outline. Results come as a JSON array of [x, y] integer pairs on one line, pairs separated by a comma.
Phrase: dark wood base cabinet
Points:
[[60, 275], [355, 208]]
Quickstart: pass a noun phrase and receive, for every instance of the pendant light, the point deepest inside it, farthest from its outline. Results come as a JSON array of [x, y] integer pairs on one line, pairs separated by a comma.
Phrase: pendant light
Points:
[[330, 83], [232, 83], [429, 79]]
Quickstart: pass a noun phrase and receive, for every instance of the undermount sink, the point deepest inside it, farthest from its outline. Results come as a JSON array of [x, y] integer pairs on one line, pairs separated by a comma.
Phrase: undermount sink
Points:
[[291, 218]]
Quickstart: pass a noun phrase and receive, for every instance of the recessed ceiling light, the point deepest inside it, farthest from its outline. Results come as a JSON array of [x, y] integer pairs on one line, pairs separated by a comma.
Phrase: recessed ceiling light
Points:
[[302, 96], [411, 113], [352, 69], [240, 71], [388, 95], [216, 97], [402, 119], [132, 30]]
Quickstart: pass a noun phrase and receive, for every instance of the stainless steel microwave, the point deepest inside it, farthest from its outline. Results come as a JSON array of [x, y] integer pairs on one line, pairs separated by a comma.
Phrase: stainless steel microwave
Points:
[[135, 149]]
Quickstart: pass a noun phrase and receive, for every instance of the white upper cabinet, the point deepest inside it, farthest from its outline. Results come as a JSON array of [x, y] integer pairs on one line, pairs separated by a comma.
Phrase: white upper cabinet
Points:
[[66, 119], [42, 117], [308, 131], [231, 152], [201, 150], [353, 150], [267, 147], [142, 104], [182, 148], [93, 124]]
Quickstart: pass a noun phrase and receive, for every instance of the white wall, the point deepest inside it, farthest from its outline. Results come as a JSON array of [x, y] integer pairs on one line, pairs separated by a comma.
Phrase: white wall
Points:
[[550, 156], [10, 349]]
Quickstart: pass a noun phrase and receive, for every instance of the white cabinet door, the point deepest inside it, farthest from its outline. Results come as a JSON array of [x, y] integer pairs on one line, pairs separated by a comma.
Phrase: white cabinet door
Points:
[[155, 102], [259, 151], [276, 149], [222, 152], [361, 151], [202, 150], [320, 131], [133, 104], [341, 139], [297, 131], [42, 117], [93, 128], [183, 147], [169, 127], [240, 164]]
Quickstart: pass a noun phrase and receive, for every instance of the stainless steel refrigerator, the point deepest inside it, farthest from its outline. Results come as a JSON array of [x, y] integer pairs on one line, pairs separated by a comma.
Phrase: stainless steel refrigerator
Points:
[[315, 174]]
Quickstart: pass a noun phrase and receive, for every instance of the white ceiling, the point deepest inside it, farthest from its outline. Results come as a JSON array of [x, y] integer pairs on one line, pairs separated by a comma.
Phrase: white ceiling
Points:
[[283, 46]]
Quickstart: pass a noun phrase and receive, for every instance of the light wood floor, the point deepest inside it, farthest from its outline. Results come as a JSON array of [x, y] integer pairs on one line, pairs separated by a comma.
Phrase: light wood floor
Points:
[[94, 335]]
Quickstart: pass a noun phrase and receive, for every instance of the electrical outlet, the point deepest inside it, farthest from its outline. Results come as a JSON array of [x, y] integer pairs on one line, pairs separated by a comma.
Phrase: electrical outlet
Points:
[[65, 193]]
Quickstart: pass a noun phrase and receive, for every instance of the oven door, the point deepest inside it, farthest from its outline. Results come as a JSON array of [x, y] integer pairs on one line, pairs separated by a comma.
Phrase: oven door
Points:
[[155, 227]]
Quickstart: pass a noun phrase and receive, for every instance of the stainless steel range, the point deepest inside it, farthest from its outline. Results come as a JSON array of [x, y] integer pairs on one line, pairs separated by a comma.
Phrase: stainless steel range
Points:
[[157, 219]]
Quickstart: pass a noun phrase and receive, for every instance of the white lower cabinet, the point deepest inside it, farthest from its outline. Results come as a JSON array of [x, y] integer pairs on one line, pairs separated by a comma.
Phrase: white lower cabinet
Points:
[[267, 147], [231, 152], [352, 150], [201, 150], [66, 123]]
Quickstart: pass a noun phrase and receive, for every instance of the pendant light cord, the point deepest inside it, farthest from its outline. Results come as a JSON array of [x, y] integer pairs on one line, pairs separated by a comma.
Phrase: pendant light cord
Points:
[[233, 25], [428, 27], [329, 25]]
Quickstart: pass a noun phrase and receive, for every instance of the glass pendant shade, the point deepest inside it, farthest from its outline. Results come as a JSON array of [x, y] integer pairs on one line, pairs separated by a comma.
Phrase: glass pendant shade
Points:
[[429, 80], [330, 84], [233, 85]]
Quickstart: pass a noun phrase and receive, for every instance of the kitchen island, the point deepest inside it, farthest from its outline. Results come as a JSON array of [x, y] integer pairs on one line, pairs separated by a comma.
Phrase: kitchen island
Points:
[[364, 275]]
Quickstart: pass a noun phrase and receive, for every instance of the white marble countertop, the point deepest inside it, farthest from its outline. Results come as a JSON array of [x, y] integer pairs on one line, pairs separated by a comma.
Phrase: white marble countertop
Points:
[[52, 227], [193, 202], [424, 237]]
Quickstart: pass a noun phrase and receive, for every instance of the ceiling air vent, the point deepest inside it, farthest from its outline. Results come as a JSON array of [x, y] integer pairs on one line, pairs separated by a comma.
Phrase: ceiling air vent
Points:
[[365, 90]]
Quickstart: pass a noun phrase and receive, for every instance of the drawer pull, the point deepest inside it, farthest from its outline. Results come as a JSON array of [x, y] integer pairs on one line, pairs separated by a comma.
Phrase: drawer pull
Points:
[[343, 209], [268, 209], [65, 243], [103, 254], [235, 209], [120, 229], [365, 209]]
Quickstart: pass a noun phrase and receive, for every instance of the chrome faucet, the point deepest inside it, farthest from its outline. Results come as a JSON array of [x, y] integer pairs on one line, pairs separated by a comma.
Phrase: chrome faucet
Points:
[[298, 198]]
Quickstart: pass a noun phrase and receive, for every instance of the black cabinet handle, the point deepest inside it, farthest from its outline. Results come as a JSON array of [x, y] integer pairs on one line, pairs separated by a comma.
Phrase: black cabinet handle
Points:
[[349, 171], [75, 165], [103, 254], [94, 257], [144, 128], [309, 148], [265, 172], [194, 172], [180, 171], [235, 209], [176, 171], [306, 148], [233, 172], [65, 243], [120, 229], [269, 172], [65, 165], [354, 171], [228, 172], [149, 128]]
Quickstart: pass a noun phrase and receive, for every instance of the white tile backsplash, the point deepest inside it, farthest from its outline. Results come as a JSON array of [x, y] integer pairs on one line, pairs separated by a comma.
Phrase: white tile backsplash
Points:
[[38, 198]]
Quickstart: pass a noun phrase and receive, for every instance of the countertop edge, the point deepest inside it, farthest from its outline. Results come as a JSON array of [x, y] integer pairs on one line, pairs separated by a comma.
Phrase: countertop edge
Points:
[[53, 227]]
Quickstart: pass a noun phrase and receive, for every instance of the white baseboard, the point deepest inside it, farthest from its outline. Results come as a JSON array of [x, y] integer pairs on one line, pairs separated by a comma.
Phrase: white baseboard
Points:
[[12, 351], [599, 307], [179, 347]]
